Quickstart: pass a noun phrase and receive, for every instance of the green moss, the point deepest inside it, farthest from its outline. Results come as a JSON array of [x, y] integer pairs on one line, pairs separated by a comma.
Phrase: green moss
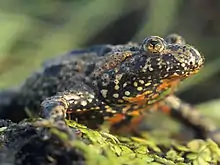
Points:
[[103, 148], [99, 148]]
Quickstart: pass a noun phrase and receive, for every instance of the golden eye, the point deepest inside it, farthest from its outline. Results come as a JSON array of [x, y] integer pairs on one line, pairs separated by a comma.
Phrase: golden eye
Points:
[[153, 44], [175, 39]]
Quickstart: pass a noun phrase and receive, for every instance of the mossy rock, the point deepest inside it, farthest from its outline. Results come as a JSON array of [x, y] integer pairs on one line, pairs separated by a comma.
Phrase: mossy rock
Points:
[[43, 142]]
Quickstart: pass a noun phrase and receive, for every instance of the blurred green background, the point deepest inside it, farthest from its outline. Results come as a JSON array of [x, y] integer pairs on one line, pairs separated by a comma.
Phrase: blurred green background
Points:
[[32, 31]]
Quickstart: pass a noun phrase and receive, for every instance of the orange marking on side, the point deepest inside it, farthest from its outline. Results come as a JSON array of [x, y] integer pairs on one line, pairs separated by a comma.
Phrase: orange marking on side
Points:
[[116, 118], [139, 99], [126, 108], [135, 112], [168, 83], [155, 96]]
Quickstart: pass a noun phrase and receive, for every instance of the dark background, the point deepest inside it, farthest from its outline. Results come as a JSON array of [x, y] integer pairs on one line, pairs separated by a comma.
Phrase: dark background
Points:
[[32, 31]]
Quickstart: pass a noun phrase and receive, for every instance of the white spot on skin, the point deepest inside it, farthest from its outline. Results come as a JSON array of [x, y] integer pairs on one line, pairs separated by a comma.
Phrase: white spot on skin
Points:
[[151, 69], [175, 74], [135, 84], [119, 76], [70, 97], [141, 81], [168, 69], [108, 110], [104, 93], [90, 100], [107, 107], [113, 111], [116, 81], [116, 95], [139, 88], [125, 84], [183, 65], [116, 87], [83, 103], [121, 101], [104, 84], [127, 93], [106, 117], [147, 84], [144, 70], [92, 96], [71, 101]]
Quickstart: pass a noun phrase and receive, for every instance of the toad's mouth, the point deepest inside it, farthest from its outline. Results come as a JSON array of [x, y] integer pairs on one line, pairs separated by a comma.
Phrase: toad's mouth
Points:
[[179, 76]]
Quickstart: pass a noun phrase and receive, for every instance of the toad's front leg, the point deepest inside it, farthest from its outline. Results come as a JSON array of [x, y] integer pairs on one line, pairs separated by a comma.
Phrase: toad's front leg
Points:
[[79, 103]]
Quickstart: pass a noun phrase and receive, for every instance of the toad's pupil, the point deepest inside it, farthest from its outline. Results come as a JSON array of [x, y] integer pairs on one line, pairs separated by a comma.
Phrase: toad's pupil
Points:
[[154, 43]]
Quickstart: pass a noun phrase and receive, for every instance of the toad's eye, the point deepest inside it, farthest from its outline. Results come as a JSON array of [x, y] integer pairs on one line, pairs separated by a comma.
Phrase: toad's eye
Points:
[[175, 39], [153, 44]]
